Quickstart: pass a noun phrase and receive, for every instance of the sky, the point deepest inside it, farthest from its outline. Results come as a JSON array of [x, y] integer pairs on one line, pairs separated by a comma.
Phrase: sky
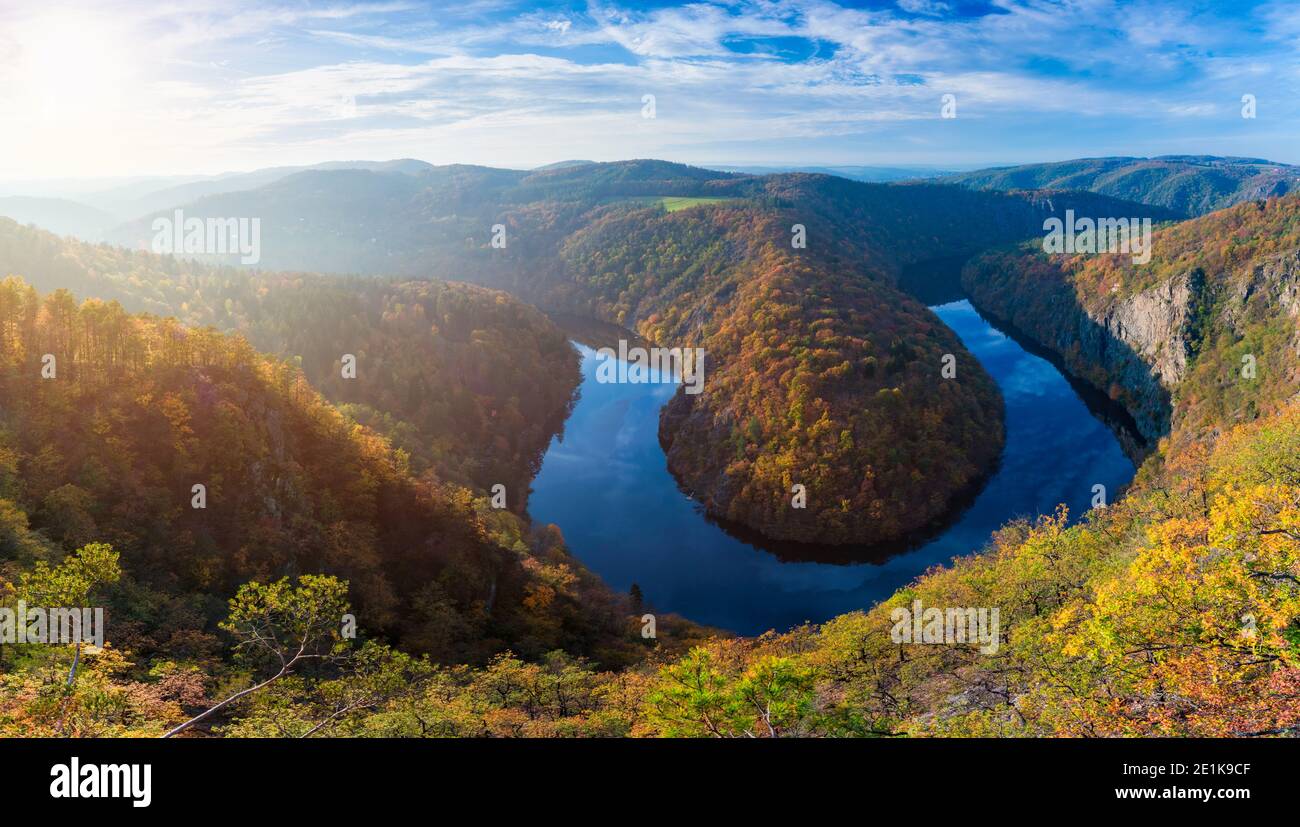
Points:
[[127, 87]]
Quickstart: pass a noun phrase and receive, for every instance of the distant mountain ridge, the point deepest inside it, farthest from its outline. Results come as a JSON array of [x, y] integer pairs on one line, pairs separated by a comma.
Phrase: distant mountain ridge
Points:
[[88, 212], [866, 173], [58, 215], [1189, 184], [371, 220], [563, 164], [798, 332], [240, 182]]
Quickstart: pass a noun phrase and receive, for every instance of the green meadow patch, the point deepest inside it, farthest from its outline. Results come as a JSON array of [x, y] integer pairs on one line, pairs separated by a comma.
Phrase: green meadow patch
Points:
[[673, 203]]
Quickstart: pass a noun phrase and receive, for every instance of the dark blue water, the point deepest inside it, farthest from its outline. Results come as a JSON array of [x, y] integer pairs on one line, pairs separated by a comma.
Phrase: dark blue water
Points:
[[607, 485]]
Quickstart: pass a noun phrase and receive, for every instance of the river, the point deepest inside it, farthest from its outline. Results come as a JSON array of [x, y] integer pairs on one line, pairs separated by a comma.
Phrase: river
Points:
[[605, 483]]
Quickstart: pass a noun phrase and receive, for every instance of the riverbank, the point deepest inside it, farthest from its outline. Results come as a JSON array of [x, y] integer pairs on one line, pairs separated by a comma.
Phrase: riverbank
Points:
[[606, 484]]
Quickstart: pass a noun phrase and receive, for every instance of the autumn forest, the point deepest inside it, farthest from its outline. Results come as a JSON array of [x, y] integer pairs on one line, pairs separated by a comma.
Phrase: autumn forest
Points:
[[286, 547], [662, 404]]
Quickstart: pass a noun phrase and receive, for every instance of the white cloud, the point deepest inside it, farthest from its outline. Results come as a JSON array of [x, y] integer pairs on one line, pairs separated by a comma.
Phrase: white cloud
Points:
[[924, 6], [471, 81]]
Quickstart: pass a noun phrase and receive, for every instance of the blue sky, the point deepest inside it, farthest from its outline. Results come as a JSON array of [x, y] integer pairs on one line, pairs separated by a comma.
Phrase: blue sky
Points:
[[116, 88]]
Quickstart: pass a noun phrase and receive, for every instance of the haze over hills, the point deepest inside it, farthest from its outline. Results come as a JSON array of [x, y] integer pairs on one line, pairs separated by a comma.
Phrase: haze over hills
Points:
[[869, 174], [239, 182], [1206, 528], [422, 213], [87, 210], [685, 256], [59, 215], [563, 164], [1189, 184]]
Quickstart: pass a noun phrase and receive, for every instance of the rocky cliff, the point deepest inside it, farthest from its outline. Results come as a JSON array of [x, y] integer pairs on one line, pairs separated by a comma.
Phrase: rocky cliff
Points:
[[1133, 351], [1227, 284]]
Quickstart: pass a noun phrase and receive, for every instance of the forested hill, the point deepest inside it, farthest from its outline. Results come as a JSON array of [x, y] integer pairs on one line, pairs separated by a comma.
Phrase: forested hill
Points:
[[110, 421], [1174, 611], [439, 221], [789, 282], [468, 382], [1187, 184], [1201, 337]]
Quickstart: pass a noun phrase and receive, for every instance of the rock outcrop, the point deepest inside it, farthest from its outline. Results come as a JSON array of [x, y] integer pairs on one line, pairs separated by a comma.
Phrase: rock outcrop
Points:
[[1209, 331], [1134, 350]]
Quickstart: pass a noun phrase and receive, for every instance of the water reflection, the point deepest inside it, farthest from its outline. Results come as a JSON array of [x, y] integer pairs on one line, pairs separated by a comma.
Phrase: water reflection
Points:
[[605, 482]]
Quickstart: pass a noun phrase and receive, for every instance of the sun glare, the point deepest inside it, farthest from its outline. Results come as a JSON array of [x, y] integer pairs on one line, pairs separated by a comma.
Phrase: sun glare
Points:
[[69, 70]]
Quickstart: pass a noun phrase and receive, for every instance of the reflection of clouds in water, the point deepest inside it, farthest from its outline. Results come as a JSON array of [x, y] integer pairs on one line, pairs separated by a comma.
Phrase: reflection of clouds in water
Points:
[[582, 462], [1034, 378], [608, 488], [990, 340], [607, 441], [1061, 428], [624, 436], [587, 355], [961, 307]]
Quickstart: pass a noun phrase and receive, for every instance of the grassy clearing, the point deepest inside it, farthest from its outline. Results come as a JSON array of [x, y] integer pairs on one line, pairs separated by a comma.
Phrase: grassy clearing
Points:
[[673, 203]]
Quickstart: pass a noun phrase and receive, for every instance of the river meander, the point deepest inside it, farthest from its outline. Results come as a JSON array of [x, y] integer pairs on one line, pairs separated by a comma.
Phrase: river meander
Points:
[[606, 483]]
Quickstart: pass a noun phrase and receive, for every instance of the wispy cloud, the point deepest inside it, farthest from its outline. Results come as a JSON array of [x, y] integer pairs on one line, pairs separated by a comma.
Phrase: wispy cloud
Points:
[[218, 84]]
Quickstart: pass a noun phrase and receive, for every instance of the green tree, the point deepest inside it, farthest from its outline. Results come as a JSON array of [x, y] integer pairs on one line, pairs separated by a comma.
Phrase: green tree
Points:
[[280, 626], [71, 585]]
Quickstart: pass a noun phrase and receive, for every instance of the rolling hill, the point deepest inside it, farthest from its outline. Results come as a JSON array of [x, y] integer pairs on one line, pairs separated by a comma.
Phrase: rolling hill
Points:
[[59, 216], [797, 336], [1130, 622], [110, 420], [1188, 184]]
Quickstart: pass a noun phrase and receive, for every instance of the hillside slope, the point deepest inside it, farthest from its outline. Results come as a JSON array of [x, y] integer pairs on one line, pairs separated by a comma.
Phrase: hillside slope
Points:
[[1173, 612], [1201, 337], [1188, 184], [470, 383], [821, 372], [58, 215], [109, 421]]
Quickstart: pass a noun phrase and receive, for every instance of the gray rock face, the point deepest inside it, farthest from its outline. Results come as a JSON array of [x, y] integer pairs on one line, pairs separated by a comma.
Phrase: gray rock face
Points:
[[1154, 324], [1276, 281], [1138, 349], [1160, 324], [1132, 350]]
